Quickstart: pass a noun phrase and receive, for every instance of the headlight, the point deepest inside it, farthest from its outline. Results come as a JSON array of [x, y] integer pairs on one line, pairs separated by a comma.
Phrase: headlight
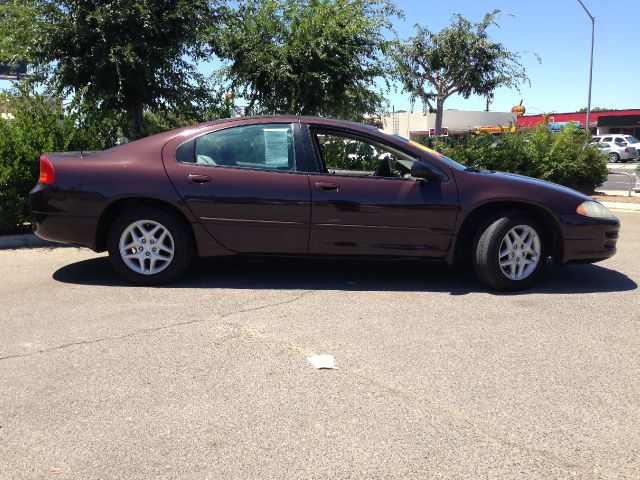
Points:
[[594, 210]]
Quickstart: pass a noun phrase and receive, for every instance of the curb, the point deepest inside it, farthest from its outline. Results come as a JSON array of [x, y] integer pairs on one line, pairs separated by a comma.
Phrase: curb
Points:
[[26, 240]]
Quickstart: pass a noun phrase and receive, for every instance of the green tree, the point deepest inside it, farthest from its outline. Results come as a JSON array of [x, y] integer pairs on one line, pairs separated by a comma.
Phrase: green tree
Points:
[[127, 55], [314, 57], [594, 109], [461, 59], [19, 29]]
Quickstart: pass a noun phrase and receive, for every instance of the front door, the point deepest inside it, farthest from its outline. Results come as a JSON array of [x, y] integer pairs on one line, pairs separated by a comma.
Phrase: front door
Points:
[[243, 185], [365, 201]]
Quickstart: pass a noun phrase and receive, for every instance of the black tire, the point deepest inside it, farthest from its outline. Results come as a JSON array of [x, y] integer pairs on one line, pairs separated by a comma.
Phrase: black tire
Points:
[[486, 250], [181, 243], [614, 157]]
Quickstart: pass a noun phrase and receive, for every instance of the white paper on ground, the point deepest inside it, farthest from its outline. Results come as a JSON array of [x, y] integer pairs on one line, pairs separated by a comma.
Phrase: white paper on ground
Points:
[[322, 361]]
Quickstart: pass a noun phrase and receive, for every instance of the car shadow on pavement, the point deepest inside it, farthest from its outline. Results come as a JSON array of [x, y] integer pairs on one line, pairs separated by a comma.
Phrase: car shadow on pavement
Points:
[[349, 275]]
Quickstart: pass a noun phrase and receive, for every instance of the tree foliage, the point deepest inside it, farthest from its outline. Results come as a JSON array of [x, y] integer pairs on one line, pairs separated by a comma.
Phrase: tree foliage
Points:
[[461, 59], [19, 28], [314, 57], [594, 109], [127, 54]]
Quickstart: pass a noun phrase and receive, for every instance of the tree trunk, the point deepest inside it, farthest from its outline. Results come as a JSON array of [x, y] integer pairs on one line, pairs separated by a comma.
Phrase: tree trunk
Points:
[[439, 113], [135, 121]]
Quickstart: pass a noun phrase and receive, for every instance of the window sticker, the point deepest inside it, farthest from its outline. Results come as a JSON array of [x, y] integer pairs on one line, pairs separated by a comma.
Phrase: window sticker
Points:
[[276, 147]]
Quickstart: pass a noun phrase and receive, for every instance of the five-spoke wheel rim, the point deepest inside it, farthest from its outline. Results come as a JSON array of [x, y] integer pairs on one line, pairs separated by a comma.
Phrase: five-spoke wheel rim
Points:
[[520, 252], [146, 247]]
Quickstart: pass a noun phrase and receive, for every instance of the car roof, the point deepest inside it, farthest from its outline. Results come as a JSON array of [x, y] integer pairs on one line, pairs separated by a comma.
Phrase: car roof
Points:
[[284, 118], [159, 139]]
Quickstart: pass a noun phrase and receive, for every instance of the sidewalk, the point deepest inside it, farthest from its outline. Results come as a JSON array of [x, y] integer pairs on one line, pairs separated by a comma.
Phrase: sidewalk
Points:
[[622, 207], [25, 240], [617, 200]]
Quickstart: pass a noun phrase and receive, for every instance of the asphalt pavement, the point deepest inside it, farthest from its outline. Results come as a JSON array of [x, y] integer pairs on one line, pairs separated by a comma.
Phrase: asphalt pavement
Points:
[[208, 377], [617, 181]]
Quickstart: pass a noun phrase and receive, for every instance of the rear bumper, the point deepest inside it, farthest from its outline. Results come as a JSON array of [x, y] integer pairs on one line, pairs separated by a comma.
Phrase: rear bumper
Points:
[[52, 221], [64, 228], [588, 240]]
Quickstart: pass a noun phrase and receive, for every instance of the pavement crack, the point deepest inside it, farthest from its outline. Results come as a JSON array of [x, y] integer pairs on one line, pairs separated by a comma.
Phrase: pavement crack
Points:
[[276, 304], [147, 331]]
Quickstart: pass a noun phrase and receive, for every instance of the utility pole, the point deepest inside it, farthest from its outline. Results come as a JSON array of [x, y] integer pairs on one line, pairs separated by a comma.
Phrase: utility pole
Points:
[[593, 28], [489, 100]]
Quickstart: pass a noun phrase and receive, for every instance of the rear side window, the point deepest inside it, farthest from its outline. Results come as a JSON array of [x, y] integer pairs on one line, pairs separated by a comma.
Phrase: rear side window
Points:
[[607, 139], [264, 146]]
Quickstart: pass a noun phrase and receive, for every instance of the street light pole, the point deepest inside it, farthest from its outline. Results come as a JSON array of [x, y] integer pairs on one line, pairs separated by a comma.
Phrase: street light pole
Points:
[[593, 28]]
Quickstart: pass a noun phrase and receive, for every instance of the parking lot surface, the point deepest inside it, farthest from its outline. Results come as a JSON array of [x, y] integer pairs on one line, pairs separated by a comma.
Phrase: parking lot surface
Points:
[[208, 377]]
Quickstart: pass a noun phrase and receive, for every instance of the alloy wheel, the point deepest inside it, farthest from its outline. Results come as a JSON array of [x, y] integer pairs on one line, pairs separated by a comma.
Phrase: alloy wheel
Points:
[[146, 247], [520, 252]]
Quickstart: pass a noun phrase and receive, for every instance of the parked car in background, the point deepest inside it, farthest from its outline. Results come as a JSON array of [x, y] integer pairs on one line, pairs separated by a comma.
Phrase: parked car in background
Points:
[[285, 185], [629, 140], [618, 151]]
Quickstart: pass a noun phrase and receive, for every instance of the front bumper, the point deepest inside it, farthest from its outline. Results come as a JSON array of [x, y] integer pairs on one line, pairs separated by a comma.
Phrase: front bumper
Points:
[[588, 240]]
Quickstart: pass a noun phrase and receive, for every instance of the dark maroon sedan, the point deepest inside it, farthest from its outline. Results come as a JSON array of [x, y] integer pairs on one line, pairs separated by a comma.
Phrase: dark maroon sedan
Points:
[[309, 186]]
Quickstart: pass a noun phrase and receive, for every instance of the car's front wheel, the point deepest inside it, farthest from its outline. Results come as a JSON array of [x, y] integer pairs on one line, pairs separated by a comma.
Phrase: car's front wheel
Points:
[[509, 252], [149, 246]]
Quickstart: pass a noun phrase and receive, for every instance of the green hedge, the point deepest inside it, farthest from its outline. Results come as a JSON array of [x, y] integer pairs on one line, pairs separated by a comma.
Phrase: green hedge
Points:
[[563, 157]]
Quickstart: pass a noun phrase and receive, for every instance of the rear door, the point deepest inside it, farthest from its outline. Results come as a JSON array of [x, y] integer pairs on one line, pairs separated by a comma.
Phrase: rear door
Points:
[[365, 203], [245, 185]]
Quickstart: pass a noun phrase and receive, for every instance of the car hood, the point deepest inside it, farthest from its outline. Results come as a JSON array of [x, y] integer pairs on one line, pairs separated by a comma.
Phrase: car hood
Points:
[[477, 187], [513, 177]]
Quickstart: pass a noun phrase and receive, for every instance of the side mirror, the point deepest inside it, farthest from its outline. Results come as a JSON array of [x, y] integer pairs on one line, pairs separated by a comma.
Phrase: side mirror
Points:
[[425, 172]]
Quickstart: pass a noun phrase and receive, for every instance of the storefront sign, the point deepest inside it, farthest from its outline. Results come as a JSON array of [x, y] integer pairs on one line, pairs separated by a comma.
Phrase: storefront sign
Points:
[[495, 129], [518, 110]]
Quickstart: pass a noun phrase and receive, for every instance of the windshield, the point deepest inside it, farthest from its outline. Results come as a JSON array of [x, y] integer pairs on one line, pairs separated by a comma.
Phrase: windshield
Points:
[[631, 139], [438, 155]]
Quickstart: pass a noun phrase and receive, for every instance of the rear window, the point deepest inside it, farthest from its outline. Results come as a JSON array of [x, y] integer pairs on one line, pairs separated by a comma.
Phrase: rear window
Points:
[[264, 146]]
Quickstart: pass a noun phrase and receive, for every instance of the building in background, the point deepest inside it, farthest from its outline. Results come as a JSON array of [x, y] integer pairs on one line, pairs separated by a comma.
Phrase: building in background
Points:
[[418, 125], [602, 122]]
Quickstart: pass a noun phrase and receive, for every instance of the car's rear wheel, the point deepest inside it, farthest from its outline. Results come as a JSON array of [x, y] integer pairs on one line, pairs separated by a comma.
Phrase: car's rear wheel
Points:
[[509, 252], [614, 157], [149, 246]]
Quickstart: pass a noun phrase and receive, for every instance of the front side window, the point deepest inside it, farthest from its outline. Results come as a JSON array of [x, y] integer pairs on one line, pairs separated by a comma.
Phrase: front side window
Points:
[[264, 146], [352, 156]]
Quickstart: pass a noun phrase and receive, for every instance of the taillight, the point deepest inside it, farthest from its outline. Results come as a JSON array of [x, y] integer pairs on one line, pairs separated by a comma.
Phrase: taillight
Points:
[[47, 174], [626, 150]]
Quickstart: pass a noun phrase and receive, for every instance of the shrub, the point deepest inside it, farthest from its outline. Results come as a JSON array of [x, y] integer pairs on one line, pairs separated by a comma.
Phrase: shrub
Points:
[[34, 129], [564, 157]]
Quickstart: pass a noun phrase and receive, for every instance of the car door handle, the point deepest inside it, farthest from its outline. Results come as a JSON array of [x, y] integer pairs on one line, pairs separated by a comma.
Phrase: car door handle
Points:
[[327, 186], [198, 179]]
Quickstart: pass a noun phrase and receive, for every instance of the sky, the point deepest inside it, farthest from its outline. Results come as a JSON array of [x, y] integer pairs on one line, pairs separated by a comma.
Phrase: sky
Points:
[[559, 32]]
